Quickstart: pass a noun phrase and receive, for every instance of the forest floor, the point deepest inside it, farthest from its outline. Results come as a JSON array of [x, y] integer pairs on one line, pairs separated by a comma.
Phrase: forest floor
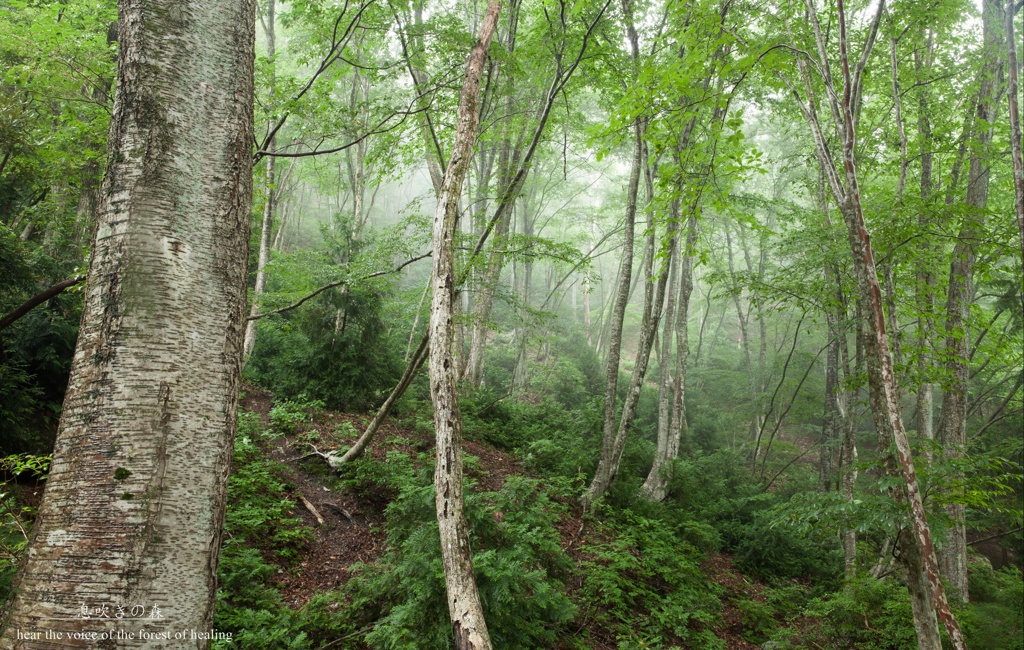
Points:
[[349, 529]]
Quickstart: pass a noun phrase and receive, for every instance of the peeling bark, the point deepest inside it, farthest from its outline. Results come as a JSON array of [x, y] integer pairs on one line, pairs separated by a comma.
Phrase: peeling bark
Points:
[[467, 616], [134, 502]]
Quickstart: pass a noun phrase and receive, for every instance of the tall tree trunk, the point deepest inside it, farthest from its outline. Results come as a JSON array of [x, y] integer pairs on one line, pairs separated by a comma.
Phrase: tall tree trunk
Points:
[[656, 484], [672, 416], [520, 377], [1013, 77], [953, 425], [134, 502], [925, 278], [267, 223], [846, 400], [918, 550], [602, 478], [654, 298], [464, 607]]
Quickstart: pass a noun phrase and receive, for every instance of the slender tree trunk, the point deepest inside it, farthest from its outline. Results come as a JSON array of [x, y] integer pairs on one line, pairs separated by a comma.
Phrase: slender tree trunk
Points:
[[925, 278], [134, 501], [918, 551], [831, 425], [602, 478], [672, 418], [953, 425], [464, 607], [520, 378], [267, 224], [656, 484], [654, 298]]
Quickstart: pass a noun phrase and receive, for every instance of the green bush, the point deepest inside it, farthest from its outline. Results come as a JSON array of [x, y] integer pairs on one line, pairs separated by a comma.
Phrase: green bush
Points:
[[518, 561], [307, 352], [993, 619], [869, 615], [645, 585]]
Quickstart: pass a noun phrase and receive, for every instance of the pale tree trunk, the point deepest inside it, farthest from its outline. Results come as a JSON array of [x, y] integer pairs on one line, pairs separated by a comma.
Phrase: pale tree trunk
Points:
[[846, 401], [520, 377], [656, 484], [602, 478], [1015, 131], [953, 425], [267, 224], [926, 590], [925, 278], [831, 425], [467, 615], [918, 553], [654, 298], [672, 416], [679, 427], [134, 501]]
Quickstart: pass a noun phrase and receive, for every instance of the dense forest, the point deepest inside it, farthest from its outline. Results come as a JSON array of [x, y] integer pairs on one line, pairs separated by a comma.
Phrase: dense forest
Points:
[[423, 324]]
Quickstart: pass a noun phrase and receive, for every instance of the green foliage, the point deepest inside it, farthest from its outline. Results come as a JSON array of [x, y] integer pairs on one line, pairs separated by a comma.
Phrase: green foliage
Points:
[[645, 585], [335, 349], [288, 415], [992, 619], [719, 490], [518, 561], [261, 539], [258, 506], [549, 439], [35, 352], [870, 614], [15, 518]]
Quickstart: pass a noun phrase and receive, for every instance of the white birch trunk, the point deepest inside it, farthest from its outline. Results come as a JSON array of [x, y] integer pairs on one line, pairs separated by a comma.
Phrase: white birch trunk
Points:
[[134, 503]]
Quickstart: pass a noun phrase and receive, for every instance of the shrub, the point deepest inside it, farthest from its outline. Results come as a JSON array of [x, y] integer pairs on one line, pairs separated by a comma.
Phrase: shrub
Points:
[[518, 562], [644, 585]]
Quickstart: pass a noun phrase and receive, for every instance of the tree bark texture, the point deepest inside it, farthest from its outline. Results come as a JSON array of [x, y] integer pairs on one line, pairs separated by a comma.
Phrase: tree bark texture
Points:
[[676, 326], [919, 552], [655, 487], [134, 502], [654, 298], [464, 607], [953, 425]]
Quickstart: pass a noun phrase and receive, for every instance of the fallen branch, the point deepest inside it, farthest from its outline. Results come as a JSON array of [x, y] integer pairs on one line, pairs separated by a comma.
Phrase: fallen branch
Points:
[[335, 507], [312, 509]]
